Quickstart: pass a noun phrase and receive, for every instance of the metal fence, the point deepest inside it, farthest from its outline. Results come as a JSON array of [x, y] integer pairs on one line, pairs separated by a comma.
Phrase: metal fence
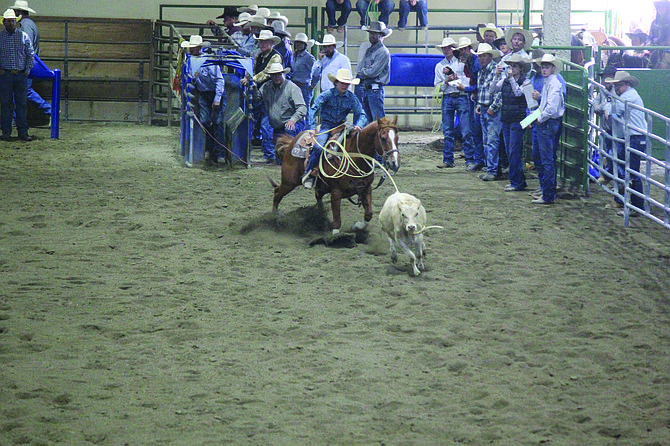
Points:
[[654, 173]]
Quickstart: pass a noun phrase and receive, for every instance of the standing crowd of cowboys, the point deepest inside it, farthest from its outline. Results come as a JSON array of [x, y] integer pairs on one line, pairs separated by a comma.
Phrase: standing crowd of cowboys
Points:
[[487, 91]]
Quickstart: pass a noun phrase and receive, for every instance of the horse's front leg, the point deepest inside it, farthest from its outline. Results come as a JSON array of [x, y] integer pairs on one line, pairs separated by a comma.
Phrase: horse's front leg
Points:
[[367, 209], [335, 201]]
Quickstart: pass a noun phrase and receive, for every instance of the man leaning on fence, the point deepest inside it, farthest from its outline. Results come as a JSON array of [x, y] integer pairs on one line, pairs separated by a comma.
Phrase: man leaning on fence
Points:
[[16, 61]]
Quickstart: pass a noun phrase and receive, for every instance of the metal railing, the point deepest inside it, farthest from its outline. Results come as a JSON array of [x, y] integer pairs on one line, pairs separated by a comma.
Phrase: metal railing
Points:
[[653, 173]]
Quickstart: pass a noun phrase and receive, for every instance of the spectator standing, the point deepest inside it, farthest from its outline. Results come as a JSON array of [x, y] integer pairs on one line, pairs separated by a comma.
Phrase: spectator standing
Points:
[[333, 106], [418, 6], [374, 71], [474, 154], [329, 61], [303, 62], [449, 73], [510, 81], [251, 9], [519, 41], [16, 61], [552, 107], [489, 33], [344, 7], [284, 45], [602, 107], [385, 9], [28, 26], [244, 37], [488, 109], [229, 16]]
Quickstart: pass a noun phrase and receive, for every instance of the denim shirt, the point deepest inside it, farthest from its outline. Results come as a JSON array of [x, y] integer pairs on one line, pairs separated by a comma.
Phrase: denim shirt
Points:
[[334, 108], [302, 68]]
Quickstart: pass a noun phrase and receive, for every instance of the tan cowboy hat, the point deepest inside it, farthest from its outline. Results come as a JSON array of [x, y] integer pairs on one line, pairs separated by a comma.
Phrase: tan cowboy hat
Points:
[[243, 19], [527, 35], [251, 9], [379, 28], [263, 12], [447, 41], [266, 34], [518, 59], [549, 58], [277, 68], [463, 42], [276, 15], [485, 48], [343, 75], [329, 39], [491, 27], [9, 14], [22, 5], [623, 76], [302, 37], [193, 41]]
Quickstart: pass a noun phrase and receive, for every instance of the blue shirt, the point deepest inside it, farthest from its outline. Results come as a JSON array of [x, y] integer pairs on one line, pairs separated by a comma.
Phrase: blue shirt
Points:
[[208, 77], [636, 117], [334, 108], [286, 53], [473, 67], [302, 68], [16, 51], [29, 27], [538, 82]]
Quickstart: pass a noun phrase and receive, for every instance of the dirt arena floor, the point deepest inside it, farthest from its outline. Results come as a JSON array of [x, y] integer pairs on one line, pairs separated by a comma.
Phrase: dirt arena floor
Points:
[[145, 303]]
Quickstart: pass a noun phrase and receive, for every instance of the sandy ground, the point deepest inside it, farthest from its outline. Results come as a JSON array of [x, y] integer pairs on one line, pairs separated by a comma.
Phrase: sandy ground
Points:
[[144, 303]]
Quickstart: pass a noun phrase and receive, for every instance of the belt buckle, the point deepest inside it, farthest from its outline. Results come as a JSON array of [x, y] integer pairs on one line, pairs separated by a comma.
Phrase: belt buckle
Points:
[[14, 71]]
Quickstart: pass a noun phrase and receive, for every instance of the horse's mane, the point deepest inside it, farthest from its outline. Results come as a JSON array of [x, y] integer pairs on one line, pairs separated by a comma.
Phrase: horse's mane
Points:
[[283, 142]]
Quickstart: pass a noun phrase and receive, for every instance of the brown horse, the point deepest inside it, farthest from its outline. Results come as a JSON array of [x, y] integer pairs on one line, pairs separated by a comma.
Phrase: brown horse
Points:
[[377, 138]]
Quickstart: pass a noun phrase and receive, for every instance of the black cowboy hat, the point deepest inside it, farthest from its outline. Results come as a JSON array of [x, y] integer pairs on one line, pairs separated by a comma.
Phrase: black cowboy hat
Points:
[[229, 11], [498, 42], [608, 71]]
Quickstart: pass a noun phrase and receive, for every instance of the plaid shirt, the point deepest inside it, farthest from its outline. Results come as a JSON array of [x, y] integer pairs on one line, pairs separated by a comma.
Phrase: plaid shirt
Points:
[[16, 51], [484, 81]]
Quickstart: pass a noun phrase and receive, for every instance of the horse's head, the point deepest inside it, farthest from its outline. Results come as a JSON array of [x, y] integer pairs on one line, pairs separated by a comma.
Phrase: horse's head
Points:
[[386, 142]]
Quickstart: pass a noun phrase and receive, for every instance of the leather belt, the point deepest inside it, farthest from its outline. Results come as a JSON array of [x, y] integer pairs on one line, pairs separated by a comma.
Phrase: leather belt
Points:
[[454, 95], [15, 71], [369, 86]]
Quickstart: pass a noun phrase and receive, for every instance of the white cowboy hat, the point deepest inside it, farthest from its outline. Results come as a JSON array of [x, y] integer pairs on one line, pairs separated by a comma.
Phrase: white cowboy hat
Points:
[[23, 6], [491, 27], [463, 42], [549, 58], [623, 76], [193, 41], [9, 14], [302, 37], [243, 19], [276, 15], [329, 39], [527, 36], [266, 34], [519, 59], [447, 41], [277, 68], [256, 21], [250, 9], [280, 29], [485, 48], [263, 12], [343, 75], [379, 28]]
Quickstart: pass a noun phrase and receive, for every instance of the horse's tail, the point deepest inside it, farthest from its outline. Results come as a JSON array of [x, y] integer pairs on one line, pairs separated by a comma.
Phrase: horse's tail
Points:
[[283, 143]]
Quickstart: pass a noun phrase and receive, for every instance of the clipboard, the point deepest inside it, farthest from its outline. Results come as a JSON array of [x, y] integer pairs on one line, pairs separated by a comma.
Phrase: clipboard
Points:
[[530, 118], [528, 93]]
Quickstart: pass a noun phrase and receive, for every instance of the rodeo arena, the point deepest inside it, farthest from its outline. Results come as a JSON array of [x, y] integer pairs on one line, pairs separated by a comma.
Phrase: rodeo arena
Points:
[[335, 222]]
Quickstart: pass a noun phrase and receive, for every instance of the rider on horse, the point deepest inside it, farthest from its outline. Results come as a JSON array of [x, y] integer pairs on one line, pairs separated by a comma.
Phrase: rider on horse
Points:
[[333, 106]]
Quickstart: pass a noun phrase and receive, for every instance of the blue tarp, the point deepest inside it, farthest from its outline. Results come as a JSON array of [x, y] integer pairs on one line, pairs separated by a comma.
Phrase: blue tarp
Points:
[[413, 70]]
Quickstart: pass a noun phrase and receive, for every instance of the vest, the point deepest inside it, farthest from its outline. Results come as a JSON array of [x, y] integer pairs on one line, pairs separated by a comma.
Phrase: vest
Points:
[[262, 62], [513, 107]]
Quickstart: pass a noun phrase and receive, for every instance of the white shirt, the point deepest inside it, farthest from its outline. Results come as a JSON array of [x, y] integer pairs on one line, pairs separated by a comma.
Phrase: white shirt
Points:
[[458, 67], [330, 65]]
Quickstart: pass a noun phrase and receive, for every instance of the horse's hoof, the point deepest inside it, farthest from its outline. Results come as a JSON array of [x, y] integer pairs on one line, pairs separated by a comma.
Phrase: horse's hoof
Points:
[[360, 225], [336, 231]]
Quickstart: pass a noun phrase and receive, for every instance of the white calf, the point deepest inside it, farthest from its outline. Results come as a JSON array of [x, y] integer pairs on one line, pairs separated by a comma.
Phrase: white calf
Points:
[[403, 219]]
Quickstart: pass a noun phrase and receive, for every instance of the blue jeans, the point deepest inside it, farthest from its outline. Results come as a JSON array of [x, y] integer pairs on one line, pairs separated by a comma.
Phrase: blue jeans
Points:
[[637, 142], [373, 102], [513, 136], [35, 98], [266, 135], [547, 144], [317, 149], [307, 95], [421, 9], [477, 154], [344, 8], [385, 9], [211, 118], [491, 127], [450, 107], [13, 98]]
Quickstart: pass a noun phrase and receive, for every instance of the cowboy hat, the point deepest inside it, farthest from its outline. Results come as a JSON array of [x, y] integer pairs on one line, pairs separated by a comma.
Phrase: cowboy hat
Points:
[[279, 29], [517, 58], [229, 11], [250, 9], [193, 41], [9, 14], [498, 42], [638, 33], [607, 72], [329, 39], [343, 75], [549, 58], [243, 19], [22, 5], [302, 37], [258, 22], [263, 12], [379, 28], [447, 41], [527, 36], [276, 15], [623, 76], [491, 27], [266, 34], [275, 68], [537, 54], [485, 48], [463, 42]]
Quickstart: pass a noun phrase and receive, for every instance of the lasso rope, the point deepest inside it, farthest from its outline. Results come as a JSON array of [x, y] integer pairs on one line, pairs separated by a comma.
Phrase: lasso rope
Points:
[[373, 9]]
